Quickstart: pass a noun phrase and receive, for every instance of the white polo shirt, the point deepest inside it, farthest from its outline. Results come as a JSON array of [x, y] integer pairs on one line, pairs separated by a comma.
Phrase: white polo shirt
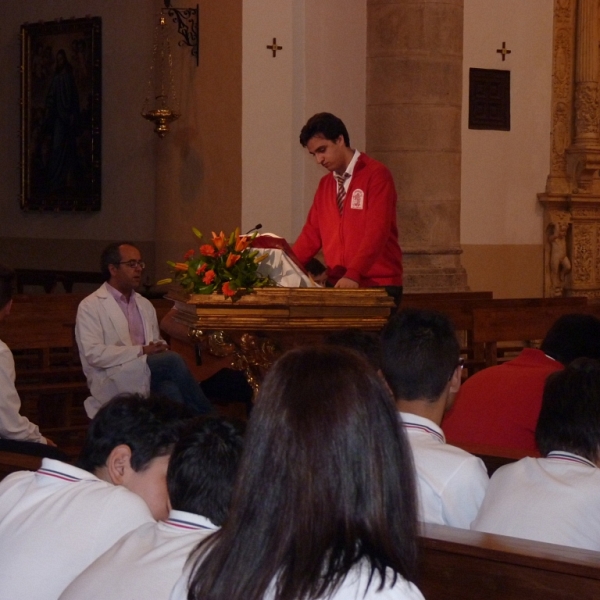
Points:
[[451, 483], [145, 563], [554, 499], [352, 588], [55, 522]]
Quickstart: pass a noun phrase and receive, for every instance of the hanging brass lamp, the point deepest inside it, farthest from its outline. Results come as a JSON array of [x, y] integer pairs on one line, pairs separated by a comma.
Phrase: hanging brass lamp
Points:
[[161, 105]]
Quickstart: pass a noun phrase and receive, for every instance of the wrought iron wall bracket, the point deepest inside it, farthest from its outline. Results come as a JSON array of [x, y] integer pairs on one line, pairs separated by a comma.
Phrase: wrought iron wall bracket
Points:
[[187, 21]]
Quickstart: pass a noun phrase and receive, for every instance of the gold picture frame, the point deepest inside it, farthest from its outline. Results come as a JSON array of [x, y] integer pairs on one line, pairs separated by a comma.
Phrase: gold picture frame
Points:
[[61, 89]]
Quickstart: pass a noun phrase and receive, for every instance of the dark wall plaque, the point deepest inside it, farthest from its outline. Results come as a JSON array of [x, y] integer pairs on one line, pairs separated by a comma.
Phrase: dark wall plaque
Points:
[[489, 99]]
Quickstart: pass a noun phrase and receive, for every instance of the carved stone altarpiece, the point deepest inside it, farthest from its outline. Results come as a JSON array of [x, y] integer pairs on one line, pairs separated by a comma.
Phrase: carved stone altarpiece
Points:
[[572, 198]]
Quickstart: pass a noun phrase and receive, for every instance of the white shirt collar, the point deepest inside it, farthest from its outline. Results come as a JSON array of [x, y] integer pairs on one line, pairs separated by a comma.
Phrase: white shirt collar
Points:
[[420, 424], [181, 519], [569, 457], [64, 471], [352, 163]]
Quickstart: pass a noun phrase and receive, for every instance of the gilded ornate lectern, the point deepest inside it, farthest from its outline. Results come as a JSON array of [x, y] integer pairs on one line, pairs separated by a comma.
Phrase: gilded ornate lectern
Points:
[[212, 332]]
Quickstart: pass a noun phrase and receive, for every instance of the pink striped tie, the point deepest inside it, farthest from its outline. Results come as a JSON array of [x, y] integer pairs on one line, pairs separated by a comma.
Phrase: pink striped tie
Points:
[[341, 192]]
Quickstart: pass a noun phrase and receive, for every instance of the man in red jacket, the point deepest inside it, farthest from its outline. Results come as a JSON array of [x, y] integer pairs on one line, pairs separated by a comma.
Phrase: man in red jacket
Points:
[[353, 215]]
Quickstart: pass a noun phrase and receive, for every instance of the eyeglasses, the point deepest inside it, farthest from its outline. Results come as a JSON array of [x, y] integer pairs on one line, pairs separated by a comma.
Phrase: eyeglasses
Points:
[[132, 264], [460, 365]]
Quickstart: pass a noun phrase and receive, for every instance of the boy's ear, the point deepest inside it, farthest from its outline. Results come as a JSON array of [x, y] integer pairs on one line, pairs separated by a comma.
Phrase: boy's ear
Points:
[[118, 464], [456, 380]]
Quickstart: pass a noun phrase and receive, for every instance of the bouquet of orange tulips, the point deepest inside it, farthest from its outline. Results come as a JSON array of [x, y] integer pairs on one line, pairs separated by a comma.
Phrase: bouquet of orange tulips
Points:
[[225, 265]]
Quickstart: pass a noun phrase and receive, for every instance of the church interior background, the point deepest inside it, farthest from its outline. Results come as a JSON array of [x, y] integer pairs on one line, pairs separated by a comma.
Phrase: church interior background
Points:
[[478, 209]]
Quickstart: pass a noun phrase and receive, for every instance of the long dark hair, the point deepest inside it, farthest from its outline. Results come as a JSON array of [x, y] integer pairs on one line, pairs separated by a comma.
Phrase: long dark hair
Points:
[[325, 482]]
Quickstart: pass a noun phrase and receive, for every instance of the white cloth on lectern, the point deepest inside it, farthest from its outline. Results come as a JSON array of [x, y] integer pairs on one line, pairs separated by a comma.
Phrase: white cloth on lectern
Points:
[[281, 269]]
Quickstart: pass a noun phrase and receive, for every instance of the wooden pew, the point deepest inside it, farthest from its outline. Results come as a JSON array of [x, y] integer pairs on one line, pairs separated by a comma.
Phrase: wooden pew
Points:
[[458, 564], [461, 311], [50, 278], [50, 381], [423, 299], [13, 461], [525, 321]]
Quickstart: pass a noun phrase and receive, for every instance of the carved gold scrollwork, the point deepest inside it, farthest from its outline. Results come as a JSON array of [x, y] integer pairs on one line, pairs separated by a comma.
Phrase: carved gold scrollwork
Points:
[[583, 236], [252, 354], [586, 108], [219, 344]]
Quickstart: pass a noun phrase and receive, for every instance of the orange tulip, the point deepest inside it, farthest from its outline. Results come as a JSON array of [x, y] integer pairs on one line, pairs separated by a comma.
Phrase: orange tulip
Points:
[[227, 291], [241, 243], [219, 240], [207, 250], [231, 260], [209, 277], [180, 267]]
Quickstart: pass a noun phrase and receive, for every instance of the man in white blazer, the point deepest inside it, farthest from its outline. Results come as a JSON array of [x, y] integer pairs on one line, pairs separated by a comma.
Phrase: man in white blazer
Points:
[[119, 340]]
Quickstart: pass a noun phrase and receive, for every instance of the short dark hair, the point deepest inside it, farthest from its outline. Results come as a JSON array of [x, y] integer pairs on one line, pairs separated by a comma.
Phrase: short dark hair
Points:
[[572, 336], [366, 343], [203, 466], [315, 267], [324, 125], [111, 255], [420, 353], [7, 280], [569, 419], [149, 426], [326, 469]]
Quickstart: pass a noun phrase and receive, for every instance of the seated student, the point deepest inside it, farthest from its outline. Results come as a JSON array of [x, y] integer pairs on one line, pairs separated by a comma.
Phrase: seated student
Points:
[[147, 562], [17, 433], [59, 519], [324, 503], [421, 363], [499, 406], [554, 499]]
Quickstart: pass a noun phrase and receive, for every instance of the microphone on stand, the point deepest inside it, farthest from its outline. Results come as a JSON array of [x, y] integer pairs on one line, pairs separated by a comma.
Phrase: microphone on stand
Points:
[[255, 228]]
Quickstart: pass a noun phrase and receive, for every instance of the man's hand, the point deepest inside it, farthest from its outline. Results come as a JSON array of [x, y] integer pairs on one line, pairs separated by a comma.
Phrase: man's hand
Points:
[[49, 442], [155, 347], [344, 282]]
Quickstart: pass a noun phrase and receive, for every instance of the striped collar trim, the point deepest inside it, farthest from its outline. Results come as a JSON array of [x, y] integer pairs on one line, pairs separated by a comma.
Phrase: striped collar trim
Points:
[[181, 519], [568, 457], [417, 423], [57, 474], [181, 524], [425, 429]]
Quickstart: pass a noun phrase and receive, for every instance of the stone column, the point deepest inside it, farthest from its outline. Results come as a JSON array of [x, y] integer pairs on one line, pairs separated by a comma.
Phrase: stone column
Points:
[[414, 98], [586, 74], [572, 198]]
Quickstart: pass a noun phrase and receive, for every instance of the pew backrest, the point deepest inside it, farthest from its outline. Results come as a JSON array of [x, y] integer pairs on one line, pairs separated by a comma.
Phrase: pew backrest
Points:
[[458, 564]]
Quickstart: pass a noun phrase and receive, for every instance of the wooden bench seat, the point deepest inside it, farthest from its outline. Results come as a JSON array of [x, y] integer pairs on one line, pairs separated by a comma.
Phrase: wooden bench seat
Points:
[[458, 564]]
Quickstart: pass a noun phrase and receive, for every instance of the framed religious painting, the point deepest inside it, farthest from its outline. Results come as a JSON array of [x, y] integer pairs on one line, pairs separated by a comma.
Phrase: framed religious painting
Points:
[[61, 91]]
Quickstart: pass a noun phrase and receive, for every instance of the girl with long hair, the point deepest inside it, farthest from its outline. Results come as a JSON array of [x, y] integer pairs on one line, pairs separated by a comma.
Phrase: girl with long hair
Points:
[[324, 502]]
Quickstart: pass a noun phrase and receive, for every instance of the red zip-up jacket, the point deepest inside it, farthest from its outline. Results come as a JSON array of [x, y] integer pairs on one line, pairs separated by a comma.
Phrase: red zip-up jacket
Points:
[[362, 242]]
